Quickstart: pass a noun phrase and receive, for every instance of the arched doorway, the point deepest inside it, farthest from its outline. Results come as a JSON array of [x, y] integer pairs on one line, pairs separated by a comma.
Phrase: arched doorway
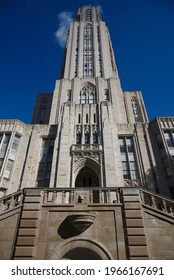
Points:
[[80, 249], [81, 254], [87, 178]]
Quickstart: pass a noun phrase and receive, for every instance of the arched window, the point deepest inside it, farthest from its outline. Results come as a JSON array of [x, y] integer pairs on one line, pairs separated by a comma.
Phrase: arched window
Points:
[[87, 95]]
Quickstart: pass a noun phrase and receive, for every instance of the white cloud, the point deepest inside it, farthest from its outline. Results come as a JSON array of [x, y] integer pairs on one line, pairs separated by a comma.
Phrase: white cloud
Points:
[[99, 8], [65, 18]]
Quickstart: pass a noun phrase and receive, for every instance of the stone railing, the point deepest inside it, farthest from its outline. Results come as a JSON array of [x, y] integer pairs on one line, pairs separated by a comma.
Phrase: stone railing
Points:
[[157, 201], [11, 201], [80, 196]]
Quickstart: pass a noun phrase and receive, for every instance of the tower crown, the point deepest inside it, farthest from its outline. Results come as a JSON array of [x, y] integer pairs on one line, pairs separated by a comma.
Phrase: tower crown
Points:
[[88, 51], [88, 13]]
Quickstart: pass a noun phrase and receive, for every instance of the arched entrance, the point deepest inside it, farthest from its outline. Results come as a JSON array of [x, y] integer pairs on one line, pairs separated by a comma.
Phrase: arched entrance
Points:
[[81, 253], [87, 178], [80, 249]]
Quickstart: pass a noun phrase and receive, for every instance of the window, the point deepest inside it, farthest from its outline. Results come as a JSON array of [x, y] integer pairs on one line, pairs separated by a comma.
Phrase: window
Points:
[[69, 95], [88, 15], [76, 53], [136, 110], [87, 138], [45, 162], [4, 141], [14, 147], [128, 158], [95, 138], [168, 135], [106, 95], [86, 118], [99, 52], [79, 118], [87, 95], [83, 98], [78, 138], [11, 155], [88, 70], [91, 98], [94, 118], [8, 169]]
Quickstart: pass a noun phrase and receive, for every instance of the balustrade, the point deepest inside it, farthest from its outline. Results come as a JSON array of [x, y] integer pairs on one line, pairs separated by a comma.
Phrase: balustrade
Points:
[[11, 201], [157, 201], [81, 196]]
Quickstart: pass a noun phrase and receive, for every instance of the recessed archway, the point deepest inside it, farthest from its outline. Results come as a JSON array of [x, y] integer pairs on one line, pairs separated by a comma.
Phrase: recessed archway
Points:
[[87, 178], [81, 253], [80, 248]]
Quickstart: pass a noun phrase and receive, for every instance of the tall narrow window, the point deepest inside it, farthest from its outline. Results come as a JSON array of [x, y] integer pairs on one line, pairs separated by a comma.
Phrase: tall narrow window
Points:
[[95, 138], [88, 70], [106, 95], [91, 98], [168, 135], [87, 138], [44, 169], [78, 138], [86, 118], [128, 158], [5, 138], [99, 52], [83, 98], [136, 110], [8, 169], [76, 53], [94, 118], [11, 157], [79, 118]]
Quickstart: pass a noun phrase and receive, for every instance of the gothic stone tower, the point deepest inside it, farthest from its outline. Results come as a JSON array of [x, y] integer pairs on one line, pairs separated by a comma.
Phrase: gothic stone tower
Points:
[[81, 181]]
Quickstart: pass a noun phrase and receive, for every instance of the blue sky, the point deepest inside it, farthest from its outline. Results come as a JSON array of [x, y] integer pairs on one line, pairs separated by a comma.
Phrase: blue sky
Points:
[[142, 34]]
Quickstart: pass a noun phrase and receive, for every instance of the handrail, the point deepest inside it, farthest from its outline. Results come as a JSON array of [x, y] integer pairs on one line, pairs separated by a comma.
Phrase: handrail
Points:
[[11, 201], [157, 201]]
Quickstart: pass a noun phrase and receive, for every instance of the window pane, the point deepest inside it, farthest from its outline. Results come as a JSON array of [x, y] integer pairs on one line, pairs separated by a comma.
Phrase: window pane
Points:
[[4, 145], [44, 168], [87, 138], [78, 138], [8, 169], [95, 138]]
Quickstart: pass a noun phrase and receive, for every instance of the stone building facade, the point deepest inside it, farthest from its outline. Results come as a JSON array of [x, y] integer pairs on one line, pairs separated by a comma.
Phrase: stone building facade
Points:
[[90, 177]]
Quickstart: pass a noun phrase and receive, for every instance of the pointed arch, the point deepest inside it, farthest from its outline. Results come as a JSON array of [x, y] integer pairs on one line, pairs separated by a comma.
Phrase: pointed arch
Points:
[[86, 162], [88, 94]]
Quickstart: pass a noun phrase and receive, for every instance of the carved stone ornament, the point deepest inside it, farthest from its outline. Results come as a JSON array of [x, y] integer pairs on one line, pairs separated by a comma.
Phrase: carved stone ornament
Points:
[[79, 129], [94, 128], [81, 221], [86, 128]]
